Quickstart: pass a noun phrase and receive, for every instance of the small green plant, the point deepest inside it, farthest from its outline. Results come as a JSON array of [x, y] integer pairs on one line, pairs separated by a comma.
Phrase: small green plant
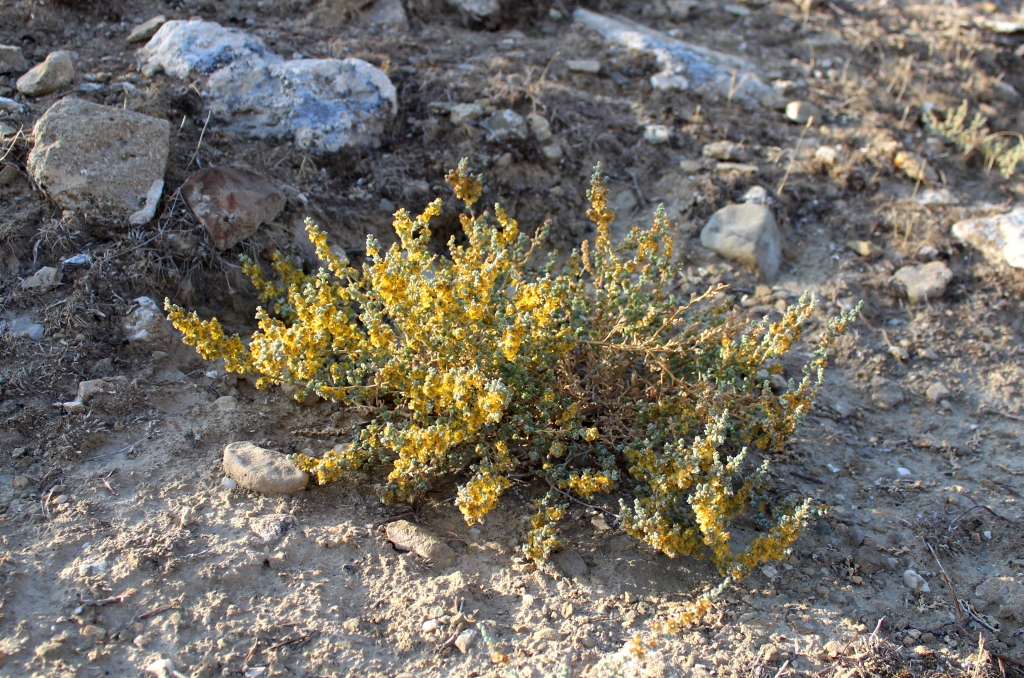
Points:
[[997, 148], [593, 377]]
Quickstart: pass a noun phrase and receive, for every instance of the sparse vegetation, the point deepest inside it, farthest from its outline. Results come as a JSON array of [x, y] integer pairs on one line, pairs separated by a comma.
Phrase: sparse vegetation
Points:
[[997, 148]]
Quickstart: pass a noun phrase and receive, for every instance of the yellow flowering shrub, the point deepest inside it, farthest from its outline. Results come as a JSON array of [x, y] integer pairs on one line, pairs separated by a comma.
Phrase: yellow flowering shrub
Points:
[[483, 364]]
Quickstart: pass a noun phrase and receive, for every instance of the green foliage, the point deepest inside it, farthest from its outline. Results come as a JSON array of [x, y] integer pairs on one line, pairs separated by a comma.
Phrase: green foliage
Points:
[[997, 149]]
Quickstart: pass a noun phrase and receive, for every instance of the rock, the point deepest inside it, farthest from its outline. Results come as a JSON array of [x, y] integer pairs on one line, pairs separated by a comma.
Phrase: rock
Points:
[[569, 563], [681, 9], [74, 406], [162, 668], [22, 326], [465, 640], [56, 71], [802, 111], [912, 580], [51, 650], [1000, 238], [539, 127], [92, 158], [770, 572], [1006, 594], [388, 14], [12, 60], [844, 409], [669, 81], [923, 283], [225, 404], [723, 150], [757, 195], [707, 72], [937, 392], [146, 324], [591, 66], [855, 536], [915, 167], [463, 113], [477, 8], [747, 234], [20, 482], [43, 280], [146, 30], [864, 248], [656, 134], [407, 536], [322, 104], [228, 483], [231, 202], [505, 124], [552, 152], [271, 528], [742, 168], [826, 155], [261, 470], [9, 174], [547, 634], [88, 389], [93, 632], [884, 394], [870, 560]]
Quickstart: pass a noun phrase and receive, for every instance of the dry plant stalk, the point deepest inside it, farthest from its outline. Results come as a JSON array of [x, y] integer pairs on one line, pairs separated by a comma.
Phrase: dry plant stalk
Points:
[[592, 376], [996, 148]]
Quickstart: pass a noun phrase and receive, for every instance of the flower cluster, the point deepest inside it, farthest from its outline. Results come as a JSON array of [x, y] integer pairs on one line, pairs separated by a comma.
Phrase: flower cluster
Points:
[[495, 360]]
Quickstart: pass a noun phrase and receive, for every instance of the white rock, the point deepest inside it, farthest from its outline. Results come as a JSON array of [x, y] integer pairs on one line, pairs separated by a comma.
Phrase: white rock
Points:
[[669, 81], [43, 280], [463, 113], [552, 152], [903, 472], [656, 134], [770, 572], [539, 127], [88, 389], [826, 155], [228, 483], [723, 150], [757, 195], [186, 49], [705, 70], [745, 233], [478, 8], [937, 392], [431, 625], [225, 404], [916, 582], [1000, 238], [146, 323], [802, 111], [22, 326], [262, 470], [505, 124], [388, 14], [92, 158], [162, 668], [924, 282], [591, 66], [465, 640], [56, 71], [74, 406]]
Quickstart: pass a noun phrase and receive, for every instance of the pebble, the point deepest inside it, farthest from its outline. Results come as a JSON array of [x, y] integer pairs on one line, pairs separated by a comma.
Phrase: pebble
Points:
[[770, 572], [539, 127], [43, 280], [228, 483], [937, 392], [742, 168], [924, 282], [146, 325], [262, 470], [271, 528], [74, 407], [231, 202], [865, 248], [478, 8], [656, 134], [51, 649], [912, 580], [56, 71], [885, 394], [915, 167], [904, 472], [669, 81], [757, 195], [871, 560], [592, 66], [465, 640], [20, 482], [570, 563], [410, 537], [12, 60], [162, 668], [1000, 238], [745, 233], [802, 111], [552, 152], [826, 155], [464, 113], [225, 404], [94, 632], [144, 31], [101, 159], [723, 150], [505, 124]]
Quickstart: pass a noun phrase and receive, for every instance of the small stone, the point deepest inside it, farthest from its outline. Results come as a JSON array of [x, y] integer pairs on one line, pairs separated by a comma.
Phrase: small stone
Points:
[[669, 81], [43, 280], [20, 482], [552, 152], [92, 158], [927, 637], [272, 527], [769, 653], [826, 155], [681, 9], [56, 71], [74, 407], [999, 238], [912, 580], [228, 483], [50, 650], [884, 394], [656, 134], [478, 8], [802, 111], [927, 353], [870, 560], [410, 537], [12, 60], [723, 150], [903, 472], [464, 113], [9, 174], [915, 167], [864, 248], [938, 392], [505, 124], [745, 233], [162, 668], [225, 404], [600, 523], [857, 579], [741, 167], [591, 66], [539, 127], [976, 537], [465, 640], [547, 634], [770, 572], [757, 195], [926, 282], [146, 29], [146, 325], [231, 202], [856, 536], [88, 389], [262, 470], [588, 641], [570, 563], [94, 632], [430, 625]]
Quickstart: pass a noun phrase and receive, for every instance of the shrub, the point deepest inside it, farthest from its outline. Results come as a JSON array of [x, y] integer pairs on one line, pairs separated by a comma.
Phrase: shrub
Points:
[[997, 149], [591, 376]]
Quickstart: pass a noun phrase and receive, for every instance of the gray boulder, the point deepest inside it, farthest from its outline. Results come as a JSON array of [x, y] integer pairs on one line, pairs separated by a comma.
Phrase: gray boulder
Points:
[[262, 470], [924, 282], [747, 234], [101, 159], [231, 202], [56, 71], [186, 49], [999, 238]]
